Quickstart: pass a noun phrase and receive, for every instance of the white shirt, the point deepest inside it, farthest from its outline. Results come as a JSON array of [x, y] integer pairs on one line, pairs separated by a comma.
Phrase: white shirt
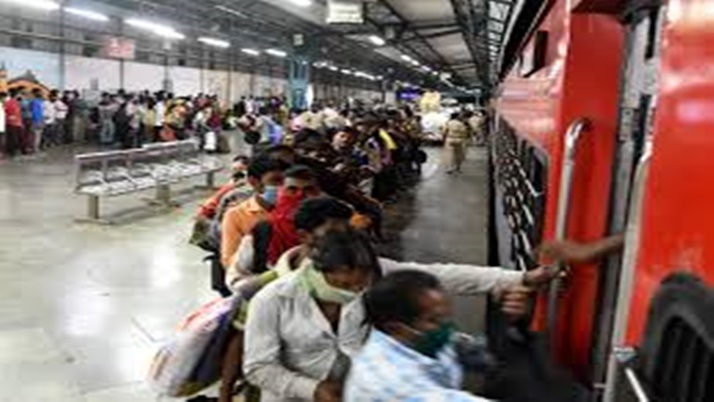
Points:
[[3, 127], [160, 110], [290, 346], [331, 118], [49, 112], [61, 110]]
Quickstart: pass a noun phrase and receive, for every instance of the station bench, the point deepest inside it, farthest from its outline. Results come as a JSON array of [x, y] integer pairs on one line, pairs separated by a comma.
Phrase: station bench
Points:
[[155, 166]]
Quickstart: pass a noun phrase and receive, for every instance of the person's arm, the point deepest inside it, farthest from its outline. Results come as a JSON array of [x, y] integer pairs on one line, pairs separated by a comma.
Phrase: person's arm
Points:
[[262, 362], [471, 279], [574, 252], [241, 262]]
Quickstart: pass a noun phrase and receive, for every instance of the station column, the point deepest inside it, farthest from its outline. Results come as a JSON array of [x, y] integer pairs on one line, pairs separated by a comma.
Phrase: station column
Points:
[[299, 80]]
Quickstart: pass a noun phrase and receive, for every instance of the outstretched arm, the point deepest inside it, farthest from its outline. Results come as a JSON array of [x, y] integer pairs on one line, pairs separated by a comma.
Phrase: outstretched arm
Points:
[[574, 252]]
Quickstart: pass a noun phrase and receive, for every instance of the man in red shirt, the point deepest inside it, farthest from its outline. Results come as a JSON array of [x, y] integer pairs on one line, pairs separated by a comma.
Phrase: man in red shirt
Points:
[[13, 121]]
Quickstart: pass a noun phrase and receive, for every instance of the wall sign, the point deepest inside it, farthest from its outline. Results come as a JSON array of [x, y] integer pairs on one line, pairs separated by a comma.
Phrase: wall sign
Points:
[[119, 48], [345, 12]]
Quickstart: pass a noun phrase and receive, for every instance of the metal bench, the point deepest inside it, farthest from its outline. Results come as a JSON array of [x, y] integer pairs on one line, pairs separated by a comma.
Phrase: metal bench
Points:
[[156, 166]]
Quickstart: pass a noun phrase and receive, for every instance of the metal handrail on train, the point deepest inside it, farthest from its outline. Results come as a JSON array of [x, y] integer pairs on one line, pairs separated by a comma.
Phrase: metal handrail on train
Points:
[[572, 138], [627, 272]]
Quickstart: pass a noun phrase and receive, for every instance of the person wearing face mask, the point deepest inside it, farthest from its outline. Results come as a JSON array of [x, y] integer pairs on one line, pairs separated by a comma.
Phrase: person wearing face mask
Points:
[[314, 218], [303, 329], [266, 176], [411, 352]]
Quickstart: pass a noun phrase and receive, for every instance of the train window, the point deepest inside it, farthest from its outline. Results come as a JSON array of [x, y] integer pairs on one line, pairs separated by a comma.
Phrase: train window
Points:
[[521, 180], [652, 33]]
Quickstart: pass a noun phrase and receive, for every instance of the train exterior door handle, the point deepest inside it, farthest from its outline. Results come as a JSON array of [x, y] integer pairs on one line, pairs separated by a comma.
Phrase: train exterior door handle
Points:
[[572, 138]]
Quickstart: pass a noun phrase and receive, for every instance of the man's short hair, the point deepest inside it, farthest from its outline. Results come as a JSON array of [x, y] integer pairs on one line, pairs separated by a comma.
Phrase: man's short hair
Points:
[[263, 164], [271, 150], [395, 297], [351, 248], [313, 213], [301, 172]]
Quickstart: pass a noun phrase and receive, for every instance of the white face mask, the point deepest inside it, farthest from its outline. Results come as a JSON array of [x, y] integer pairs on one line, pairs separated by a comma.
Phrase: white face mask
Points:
[[320, 289]]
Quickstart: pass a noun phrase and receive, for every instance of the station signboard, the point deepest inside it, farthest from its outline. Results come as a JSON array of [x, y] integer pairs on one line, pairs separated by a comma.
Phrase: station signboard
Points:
[[345, 12]]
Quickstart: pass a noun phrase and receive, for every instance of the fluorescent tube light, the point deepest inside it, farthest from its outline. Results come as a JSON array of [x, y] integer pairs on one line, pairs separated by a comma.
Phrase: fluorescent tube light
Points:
[[215, 42], [302, 3], [158, 29], [377, 40], [276, 53], [47, 5], [231, 11], [91, 15], [251, 52]]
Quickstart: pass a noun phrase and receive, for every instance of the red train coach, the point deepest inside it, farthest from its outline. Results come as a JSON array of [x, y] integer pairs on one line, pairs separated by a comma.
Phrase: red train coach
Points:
[[604, 125]]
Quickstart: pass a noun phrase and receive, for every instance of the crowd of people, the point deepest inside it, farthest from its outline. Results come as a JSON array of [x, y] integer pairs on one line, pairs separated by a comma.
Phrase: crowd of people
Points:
[[322, 316], [32, 120]]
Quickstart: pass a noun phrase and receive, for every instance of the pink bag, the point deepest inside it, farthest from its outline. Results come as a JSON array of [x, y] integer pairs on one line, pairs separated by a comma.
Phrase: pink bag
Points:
[[174, 362]]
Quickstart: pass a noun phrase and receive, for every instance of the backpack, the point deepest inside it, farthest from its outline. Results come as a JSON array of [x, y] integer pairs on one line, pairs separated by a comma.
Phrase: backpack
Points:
[[262, 233], [252, 137], [121, 117]]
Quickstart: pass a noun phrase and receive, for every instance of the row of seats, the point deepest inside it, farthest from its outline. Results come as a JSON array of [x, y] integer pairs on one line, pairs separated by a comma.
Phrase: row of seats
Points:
[[114, 173]]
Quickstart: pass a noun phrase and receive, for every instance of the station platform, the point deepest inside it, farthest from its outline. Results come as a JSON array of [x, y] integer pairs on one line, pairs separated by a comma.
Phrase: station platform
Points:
[[83, 307]]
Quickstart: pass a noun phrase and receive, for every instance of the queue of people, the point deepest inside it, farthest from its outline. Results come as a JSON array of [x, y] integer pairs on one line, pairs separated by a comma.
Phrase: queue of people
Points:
[[35, 120], [322, 317], [31, 121]]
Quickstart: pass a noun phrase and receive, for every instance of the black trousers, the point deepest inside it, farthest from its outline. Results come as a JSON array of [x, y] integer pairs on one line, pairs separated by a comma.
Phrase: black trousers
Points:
[[13, 140]]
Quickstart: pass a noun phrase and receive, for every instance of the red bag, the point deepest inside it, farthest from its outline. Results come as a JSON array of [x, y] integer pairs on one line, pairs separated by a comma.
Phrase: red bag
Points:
[[167, 134]]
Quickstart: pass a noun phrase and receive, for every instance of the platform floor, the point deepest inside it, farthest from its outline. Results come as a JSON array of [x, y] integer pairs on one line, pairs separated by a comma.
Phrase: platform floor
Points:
[[83, 307]]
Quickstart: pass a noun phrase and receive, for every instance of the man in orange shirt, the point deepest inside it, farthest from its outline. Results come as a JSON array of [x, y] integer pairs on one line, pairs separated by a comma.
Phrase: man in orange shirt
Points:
[[266, 176]]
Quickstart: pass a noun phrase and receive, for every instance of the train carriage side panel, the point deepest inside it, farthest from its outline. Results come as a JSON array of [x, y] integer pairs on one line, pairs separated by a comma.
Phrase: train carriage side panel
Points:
[[677, 232], [591, 92], [580, 79]]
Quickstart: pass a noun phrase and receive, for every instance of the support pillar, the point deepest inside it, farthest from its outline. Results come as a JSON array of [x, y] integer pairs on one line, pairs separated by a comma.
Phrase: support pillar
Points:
[[299, 80]]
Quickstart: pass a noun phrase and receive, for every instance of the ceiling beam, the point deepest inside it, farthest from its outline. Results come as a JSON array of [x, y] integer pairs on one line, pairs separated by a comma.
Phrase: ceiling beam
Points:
[[430, 36], [408, 27]]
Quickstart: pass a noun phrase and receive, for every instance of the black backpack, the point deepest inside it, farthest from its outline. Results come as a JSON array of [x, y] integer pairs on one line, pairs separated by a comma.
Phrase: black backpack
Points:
[[121, 118]]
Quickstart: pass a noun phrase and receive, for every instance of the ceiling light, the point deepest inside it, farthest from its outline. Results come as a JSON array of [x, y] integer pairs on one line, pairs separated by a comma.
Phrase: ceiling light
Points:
[[231, 11], [434, 73], [406, 58], [414, 63], [377, 40], [333, 68], [302, 3], [215, 42], [86, 14], [346, 72], [48, 5], [276, 53], [251, 52], [158, 29]]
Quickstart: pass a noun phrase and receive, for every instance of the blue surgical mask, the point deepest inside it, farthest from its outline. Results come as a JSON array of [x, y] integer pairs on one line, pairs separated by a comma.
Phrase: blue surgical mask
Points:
[[270, 194]]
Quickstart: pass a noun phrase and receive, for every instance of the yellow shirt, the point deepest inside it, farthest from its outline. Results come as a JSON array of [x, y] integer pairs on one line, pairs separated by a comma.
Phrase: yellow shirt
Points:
[[384, 135], [456, 131]]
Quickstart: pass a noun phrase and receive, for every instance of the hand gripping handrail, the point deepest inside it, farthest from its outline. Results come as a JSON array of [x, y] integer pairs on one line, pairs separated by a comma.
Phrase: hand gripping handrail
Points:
[[572, 137]]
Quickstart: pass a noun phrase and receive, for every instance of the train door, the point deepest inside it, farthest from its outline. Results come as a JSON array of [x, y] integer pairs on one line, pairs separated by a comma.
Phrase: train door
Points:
[[636, 116]]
